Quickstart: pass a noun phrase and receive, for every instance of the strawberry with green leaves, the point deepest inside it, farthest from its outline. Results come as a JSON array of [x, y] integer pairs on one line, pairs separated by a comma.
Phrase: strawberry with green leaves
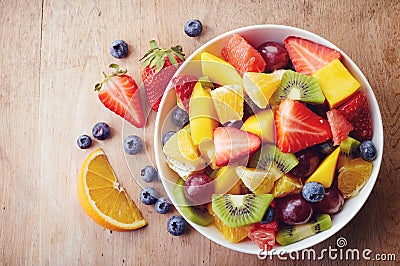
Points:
[[119, 93], [158, 67]]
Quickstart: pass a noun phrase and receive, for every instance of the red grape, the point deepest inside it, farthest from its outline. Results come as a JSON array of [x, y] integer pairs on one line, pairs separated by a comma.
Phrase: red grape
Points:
[[332, 202], [308, 163], [199, 188], [294, 210], [275, 55]]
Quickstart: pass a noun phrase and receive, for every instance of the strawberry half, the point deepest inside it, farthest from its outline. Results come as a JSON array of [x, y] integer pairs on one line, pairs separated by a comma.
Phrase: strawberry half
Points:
[[119, 93], [158, 67], [184, 85], [340, 127], [307, 56], [232, 143], [297, 127], [356, 111]]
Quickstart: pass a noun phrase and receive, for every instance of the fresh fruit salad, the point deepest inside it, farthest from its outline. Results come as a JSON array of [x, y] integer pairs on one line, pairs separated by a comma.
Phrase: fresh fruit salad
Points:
[[271, 140]]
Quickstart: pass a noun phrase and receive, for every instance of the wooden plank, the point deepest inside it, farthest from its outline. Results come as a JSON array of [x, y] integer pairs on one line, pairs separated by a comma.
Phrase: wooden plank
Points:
[[19, 146]]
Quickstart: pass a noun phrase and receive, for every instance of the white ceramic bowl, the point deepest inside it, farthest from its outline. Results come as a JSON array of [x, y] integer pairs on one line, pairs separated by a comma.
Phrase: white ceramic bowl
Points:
[[255, 35]]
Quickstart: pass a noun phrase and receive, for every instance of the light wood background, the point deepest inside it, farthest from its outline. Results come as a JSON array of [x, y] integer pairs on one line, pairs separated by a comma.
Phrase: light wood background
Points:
[[52, 53]]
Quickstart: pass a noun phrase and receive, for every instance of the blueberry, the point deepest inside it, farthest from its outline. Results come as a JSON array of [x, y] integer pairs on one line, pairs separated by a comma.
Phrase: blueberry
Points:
[[84, 141], [313, 192], [268, 216], [167, 136], [119, 49], [101, 131], [193, 28], [148, 195], [149, 174], [133, 144], [180, 117], [176, 225], [162, 205], [368, 150]]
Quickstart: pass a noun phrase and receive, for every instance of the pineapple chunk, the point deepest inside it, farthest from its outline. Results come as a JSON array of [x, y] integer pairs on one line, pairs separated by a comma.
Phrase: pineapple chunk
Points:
[[336, 83]]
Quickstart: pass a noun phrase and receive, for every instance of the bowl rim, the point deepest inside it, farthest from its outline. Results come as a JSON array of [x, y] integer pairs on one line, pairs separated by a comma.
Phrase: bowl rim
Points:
[[377, 138]]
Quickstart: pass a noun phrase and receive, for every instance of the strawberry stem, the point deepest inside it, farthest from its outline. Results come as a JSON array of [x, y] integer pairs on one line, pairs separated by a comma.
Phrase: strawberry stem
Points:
[[118, 72], [155, 57]]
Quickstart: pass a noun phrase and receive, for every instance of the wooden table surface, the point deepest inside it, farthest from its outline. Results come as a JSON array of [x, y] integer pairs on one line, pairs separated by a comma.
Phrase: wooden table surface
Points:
[[53, 52]]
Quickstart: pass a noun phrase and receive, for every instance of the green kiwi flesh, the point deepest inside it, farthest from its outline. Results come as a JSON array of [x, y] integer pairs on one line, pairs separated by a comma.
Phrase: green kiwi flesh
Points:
[[197, 215], [293, 233], [270, 158], [349, 149], [300, 87], [239, 210]]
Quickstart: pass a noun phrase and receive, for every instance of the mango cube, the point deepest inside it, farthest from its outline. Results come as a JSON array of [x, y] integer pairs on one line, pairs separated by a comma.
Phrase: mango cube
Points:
[[336, 83]]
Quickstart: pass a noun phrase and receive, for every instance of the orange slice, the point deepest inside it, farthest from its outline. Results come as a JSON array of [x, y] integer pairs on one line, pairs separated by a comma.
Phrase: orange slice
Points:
[[228, 102], [103, 198], [287, 185], [353, 176]]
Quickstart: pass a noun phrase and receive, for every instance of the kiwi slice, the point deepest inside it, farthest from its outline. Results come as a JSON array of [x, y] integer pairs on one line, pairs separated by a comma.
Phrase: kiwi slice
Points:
[[270, 158], [291, 234], [297, 86], [349, 149], [197, 215], [239, 210]]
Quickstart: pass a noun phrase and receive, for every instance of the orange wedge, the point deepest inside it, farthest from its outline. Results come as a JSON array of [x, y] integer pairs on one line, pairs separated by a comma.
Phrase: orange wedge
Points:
[[103, 198], [353, 176]]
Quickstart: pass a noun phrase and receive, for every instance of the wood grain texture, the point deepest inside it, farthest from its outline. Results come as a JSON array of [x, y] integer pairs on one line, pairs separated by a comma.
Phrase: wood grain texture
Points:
[[53, 52]]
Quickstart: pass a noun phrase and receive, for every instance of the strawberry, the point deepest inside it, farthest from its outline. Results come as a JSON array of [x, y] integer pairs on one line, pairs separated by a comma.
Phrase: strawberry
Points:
[[340, 127], [119, 93], [297, 127], [158, 67], [307, 56], [184, 85], [232, 143], [356, 111]]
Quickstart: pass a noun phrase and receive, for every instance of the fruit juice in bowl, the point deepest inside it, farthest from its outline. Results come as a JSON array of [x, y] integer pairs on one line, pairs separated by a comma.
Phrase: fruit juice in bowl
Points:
[[313, 172]]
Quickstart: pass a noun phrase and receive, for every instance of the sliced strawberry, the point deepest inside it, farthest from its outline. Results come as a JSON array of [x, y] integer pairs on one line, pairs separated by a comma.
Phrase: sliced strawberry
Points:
[[158, 67], [356, 111], [340, 127], [263, 238], [184, 85], [307, 56], [298, 127], [232, 143], [244, 57], [119, 93]]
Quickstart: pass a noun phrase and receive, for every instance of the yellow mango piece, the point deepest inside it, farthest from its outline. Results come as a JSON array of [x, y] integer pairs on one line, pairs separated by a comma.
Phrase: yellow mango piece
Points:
[[262, 124], [336, 82], [227, 181], [326, 170], [219, 71], [202, 115]]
